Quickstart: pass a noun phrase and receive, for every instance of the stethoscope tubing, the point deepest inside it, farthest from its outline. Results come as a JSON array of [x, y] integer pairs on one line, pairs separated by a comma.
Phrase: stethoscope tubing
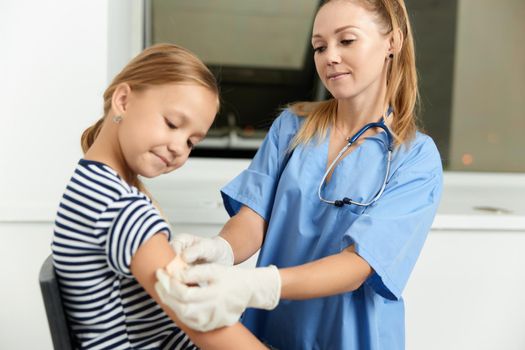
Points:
[[351, 140]]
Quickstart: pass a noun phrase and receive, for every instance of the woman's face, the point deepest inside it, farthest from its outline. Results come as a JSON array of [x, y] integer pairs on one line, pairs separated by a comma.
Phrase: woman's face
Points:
[[351, 50], [161, 125]]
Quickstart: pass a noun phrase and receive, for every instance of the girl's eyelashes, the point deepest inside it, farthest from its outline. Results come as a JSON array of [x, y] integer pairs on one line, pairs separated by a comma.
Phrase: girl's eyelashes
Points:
[[170, 124], [319, 49]]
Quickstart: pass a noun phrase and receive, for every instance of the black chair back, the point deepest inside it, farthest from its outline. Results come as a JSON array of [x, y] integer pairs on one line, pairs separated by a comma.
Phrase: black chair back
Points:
[[56, 316]]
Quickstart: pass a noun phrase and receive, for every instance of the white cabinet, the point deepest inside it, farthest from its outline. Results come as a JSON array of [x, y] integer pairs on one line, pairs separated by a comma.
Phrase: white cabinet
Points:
[[466, 292]]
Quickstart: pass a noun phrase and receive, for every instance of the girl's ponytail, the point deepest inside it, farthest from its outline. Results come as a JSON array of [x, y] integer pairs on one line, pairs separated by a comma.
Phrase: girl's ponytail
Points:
[[90, 134]]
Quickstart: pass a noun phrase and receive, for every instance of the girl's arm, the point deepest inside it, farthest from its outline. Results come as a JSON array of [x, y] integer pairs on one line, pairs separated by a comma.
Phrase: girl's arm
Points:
[[335, 274], [156, 253], [245, 233]]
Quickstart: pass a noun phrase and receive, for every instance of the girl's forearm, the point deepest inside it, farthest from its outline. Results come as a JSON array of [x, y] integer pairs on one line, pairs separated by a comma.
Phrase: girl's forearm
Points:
[[235, 337], [335, 274]]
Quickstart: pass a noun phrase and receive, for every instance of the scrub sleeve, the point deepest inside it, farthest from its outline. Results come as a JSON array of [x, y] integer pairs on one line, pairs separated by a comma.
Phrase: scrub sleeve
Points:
[[390, 234], [255, 187]]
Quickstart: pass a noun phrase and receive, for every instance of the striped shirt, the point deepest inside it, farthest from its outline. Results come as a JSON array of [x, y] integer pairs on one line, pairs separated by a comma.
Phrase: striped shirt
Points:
[[101, 222]]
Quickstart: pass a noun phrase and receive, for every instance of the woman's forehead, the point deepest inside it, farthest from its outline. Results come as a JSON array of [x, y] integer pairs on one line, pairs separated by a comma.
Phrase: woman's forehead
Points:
[[339, 14]]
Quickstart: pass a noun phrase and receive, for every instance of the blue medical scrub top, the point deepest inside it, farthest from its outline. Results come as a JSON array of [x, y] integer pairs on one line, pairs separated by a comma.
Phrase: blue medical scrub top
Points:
[[389, 234]]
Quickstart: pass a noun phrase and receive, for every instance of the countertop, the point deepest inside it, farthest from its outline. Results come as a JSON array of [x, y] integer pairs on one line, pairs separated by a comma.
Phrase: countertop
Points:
[[471, 201]]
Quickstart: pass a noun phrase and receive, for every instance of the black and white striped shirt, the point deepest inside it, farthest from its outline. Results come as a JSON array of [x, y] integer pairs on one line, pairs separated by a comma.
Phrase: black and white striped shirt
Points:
[[100, 224]]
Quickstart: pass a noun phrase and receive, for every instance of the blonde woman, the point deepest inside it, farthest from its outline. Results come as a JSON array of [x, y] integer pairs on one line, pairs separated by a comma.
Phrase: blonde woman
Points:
[[339, 199]]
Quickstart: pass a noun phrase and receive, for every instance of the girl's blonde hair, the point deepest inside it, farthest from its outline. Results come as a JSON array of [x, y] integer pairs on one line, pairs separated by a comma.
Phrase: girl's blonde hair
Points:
[[402, 89], [157, 65]]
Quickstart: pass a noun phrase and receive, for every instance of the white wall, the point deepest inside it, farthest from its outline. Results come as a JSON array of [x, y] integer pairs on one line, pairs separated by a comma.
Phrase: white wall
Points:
[[55, 61], [23, 248]]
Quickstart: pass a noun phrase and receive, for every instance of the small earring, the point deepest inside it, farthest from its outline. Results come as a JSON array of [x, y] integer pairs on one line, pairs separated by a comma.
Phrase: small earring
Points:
[[117, 118], [391, 56]]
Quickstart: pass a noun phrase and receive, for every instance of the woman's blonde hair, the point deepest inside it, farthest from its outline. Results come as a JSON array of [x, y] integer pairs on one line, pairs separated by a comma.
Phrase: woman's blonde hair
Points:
[[402, 89], [157, 65]]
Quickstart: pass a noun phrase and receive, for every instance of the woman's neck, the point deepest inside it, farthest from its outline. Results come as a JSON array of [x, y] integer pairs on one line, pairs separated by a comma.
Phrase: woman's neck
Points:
[[352, 116], [368, 107]]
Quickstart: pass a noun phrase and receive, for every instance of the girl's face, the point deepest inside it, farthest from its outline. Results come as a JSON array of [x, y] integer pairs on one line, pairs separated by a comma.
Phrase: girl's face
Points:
[[162, 124], [350, 50]]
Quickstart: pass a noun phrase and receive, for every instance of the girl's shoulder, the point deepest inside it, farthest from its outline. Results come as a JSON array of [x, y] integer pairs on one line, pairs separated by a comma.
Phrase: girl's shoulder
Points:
[[98, 174]]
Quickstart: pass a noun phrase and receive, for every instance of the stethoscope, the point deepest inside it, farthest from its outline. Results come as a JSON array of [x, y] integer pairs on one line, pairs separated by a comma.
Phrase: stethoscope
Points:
[[350, 141]]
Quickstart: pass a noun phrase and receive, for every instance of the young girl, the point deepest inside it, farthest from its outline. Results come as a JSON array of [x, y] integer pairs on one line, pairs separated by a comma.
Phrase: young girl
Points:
[[109, 237], [340, 198]]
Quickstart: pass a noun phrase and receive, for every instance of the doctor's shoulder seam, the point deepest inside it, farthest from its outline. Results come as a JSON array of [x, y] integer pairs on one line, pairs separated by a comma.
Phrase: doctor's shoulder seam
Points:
[[289, 121], [421, 149]]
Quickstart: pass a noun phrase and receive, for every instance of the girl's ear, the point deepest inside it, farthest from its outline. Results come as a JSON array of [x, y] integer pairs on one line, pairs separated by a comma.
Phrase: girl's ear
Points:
[[395, 42], [120, 98]]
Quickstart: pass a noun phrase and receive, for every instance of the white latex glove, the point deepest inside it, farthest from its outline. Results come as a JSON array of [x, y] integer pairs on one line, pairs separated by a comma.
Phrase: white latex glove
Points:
[[222, 295], [201, 249]]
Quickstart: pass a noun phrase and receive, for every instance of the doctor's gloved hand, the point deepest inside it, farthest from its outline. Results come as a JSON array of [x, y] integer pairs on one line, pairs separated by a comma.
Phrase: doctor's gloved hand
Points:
[[196, 249], [222, 294]]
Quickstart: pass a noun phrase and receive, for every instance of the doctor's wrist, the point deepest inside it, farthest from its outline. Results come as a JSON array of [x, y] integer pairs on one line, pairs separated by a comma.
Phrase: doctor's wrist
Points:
[[266, 288], [227, 258]]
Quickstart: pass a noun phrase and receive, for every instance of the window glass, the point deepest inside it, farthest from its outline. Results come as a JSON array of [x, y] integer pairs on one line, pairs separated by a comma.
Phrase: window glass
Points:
[[254, 33], [488, 114], [470, 61]]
